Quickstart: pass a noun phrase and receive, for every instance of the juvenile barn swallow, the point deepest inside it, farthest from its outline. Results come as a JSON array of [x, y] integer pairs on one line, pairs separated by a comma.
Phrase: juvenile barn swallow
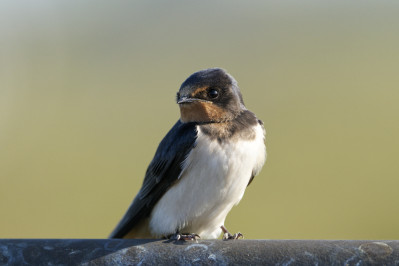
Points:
[[202, 166]]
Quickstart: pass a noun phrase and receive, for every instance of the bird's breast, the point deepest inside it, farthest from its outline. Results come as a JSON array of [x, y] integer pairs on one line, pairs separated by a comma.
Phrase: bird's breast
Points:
[[214, 177]]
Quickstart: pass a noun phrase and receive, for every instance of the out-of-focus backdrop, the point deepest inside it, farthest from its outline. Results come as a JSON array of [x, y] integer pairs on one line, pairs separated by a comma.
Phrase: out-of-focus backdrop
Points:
[[87, 91]]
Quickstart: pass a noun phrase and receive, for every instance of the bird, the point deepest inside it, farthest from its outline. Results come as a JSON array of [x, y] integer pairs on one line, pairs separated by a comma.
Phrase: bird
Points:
[[202, 166]]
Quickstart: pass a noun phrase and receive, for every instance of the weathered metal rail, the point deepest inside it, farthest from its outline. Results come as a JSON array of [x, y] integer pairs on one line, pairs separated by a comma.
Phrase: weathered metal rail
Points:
[[212, 252]]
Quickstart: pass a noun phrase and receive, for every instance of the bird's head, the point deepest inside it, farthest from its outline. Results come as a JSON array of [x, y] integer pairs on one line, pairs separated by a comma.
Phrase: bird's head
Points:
[[208, 96]]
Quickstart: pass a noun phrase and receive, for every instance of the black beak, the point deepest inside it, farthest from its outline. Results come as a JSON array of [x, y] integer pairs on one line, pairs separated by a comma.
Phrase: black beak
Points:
[[185, 99]]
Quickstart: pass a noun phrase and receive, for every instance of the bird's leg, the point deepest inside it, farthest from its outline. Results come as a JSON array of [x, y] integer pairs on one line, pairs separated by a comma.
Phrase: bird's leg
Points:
[[184, 237], [228, 236]]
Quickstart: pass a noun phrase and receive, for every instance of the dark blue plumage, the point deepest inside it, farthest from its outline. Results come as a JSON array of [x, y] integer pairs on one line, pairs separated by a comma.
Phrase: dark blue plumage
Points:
[[162, 173]]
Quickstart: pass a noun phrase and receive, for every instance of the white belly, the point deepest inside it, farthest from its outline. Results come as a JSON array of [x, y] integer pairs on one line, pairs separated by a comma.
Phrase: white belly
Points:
[[214, 179]]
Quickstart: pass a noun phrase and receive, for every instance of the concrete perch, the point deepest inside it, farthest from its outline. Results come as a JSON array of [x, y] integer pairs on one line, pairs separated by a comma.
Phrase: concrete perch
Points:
[[213, 252]]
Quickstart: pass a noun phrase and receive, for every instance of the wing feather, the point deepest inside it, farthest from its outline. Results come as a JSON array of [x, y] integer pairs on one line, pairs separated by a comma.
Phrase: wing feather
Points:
[[163, 171]]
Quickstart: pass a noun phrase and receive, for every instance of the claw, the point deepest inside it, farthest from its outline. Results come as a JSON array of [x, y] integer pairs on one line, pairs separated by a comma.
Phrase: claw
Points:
[[228, 236], [184, 237]]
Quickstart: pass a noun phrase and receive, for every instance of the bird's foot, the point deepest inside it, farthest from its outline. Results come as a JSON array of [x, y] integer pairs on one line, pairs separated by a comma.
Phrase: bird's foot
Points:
[[228, 236], [184, 237]]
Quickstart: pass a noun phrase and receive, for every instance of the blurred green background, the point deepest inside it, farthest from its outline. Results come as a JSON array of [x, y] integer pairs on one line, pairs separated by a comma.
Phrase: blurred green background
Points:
[[87, 92]]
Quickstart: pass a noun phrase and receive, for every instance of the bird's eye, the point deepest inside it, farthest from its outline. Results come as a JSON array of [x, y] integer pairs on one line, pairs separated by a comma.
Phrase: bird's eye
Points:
[[213, 93]]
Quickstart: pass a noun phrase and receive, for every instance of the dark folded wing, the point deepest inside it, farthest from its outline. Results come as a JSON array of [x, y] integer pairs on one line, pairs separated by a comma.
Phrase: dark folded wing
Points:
[[161, 174], [254, 173]]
